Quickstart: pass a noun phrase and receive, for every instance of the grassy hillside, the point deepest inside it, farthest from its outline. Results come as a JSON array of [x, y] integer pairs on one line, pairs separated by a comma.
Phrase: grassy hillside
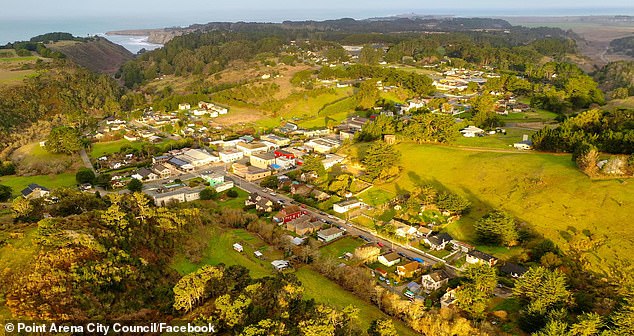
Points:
[[547, 191], [98, 55]]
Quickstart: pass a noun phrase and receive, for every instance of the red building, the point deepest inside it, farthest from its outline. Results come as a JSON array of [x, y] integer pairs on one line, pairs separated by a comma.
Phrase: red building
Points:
[[281, 152], [289, 213]]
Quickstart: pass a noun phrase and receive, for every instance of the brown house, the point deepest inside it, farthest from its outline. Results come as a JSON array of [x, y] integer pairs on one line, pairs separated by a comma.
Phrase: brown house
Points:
[[303, 225], [408, 270]]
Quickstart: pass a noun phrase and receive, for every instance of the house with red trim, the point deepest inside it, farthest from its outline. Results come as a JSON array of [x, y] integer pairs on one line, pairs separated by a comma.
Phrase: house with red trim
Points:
[[289, 213]]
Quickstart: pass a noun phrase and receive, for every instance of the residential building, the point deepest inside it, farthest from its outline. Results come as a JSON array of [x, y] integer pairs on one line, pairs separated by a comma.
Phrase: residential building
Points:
[[303, 225], [403, 230], [255, 173], [525, 144], [278, 140], [288, 213], [251, 148], [262, 160], [408, 270], [323, 145], [389, 259], [434, 280], [161, 170], [345, 206], [438, 241], [34, 190], [477, 257], [283, 163], [230, 155], [512, 270], [319, 195], [284, 153], [448, 299], [262, 203], [180, 164], [464, 247], [301, 189], [329, 234], [213, 179], [331, 160], [145, 174], [471, 131]]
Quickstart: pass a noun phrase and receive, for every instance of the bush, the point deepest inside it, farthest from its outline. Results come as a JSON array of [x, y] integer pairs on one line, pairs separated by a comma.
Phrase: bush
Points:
[[232, 193], [5, 193]]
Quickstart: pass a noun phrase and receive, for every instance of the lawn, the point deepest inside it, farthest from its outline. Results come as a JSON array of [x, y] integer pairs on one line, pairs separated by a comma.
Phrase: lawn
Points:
[[341, 246], [100, 149], [235, 203], [544, 190], [497, 140], [17, 183], [376, 196], [220, 250], [323, 290]]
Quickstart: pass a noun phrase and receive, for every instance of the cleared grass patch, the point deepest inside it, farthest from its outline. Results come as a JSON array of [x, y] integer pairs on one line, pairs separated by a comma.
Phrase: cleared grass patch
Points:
[[100, 149], [323, 290], [375, 196], [498, 140], [17, 183], [341, 246]]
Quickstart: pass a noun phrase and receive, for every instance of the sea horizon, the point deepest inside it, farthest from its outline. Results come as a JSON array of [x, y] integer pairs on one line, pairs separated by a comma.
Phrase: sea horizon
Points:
[[20, 29]]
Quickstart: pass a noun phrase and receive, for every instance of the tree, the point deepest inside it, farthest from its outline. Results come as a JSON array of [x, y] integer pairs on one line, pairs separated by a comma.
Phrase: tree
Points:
[[473, 296], [586, 157], [541, 290], [270, 182], [382, 161], [85, 175], [64, 139], [430, 127], [22, 208], [367, 95], [5, 193], [484, 107], [208, 194], [135, 185], [313, 163], [452, 202], [383, 327], [497, 227], [370, 55]]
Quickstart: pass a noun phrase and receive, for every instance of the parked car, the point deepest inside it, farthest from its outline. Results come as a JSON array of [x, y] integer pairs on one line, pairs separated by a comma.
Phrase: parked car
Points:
[[387, 281], [419, 260], [402, 255], [380, 244], [381, 278]]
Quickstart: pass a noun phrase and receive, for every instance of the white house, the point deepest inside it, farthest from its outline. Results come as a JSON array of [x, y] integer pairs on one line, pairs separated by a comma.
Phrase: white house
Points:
[[329, 234], [323, 145], [230, 155], [525, 144], [280, 265], [471, 131], [345, 206], [249, 149], [389, 259], [331, 160], [434, 280], [262, 160]]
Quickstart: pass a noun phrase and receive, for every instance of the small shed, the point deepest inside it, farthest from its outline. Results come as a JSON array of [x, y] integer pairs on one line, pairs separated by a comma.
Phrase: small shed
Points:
[[258, 254], [238, 247]]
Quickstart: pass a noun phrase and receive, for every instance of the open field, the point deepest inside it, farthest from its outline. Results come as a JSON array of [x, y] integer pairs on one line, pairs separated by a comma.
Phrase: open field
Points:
[[106, 148], [323, 290], [33, 158], [341, 246], [497, 140], [11, 68], [17, 183], [546, 191]]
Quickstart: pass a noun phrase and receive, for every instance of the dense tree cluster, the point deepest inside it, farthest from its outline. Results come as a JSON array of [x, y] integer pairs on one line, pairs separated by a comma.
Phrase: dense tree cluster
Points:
[[497, 227], [381, 162], [609, 131]]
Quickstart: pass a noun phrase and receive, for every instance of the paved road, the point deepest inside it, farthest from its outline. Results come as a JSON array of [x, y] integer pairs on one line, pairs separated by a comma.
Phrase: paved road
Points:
[[86, 160], [350, 227]]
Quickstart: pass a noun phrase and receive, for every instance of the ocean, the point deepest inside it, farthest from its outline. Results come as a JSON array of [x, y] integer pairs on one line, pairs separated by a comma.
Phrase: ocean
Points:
[[19, 29]]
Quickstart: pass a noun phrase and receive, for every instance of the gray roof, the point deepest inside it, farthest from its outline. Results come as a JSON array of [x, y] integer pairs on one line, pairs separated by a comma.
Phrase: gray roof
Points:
[[31, 188]]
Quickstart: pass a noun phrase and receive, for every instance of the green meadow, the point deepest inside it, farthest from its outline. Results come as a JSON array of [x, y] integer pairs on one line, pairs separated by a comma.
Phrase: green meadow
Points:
[[544, 190]]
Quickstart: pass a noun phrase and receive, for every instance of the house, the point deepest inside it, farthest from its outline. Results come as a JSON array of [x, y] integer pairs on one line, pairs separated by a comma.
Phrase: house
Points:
[[331, 160], [438, 241], [282, 163], [255, 173], [262, 203], [238, 247], [288, 213], [161, 170], [512, 270], [230, 155], [130, 137], [403, 230], [303, 225], [301, 189], [284, 153], [262, 160], [389, 259], [213, 179], [345, 206], [423, 231], [448, 298], [280, 265], [323, 145], [408, 270], [464, 247], [434, 280], [471, 131], [330, 234], [145, 174], [319, 195], [35, 191], [525, 144], [249, 149], [477, 257], [278, 140]]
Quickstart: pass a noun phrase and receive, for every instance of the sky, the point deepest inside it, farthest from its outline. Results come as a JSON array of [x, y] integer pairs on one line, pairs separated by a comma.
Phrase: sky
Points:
[[277, 10]]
